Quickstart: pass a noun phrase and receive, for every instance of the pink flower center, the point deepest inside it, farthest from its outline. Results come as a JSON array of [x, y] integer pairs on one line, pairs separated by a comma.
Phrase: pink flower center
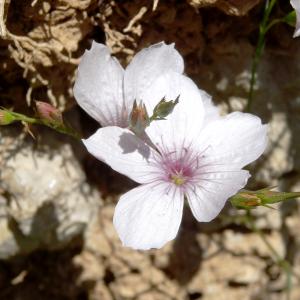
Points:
[[179, 170]]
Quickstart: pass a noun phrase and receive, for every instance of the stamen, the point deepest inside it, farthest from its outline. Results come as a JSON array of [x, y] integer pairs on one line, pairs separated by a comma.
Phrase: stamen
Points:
[[177, 179]]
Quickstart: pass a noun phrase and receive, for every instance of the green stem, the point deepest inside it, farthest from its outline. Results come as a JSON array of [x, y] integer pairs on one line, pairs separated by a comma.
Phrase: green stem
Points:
[[65, 130], [57, 127], [23, 118], [263, 28], [281, 262], [274, 22]]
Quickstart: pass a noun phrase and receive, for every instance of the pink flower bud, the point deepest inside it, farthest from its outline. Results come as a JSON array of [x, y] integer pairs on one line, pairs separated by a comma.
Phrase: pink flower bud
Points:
[[139, 118], [48, 113]]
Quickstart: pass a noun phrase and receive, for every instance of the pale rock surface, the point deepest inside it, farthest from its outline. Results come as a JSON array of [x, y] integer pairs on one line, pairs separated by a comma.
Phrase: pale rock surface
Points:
[[100, 291], [277, 157], [268, 218], [295, 295], [49, 201], [95, 239], [8, 244], [292, 222], [219, 269], [154, 296], [237, 103], [251, 243], [96, 269], [129, 286]]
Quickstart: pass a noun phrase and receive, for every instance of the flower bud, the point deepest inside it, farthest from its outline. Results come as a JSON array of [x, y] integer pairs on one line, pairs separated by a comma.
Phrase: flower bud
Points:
[[245, 200], [6, 117], [138, 118], [250, 199], [48, 113]]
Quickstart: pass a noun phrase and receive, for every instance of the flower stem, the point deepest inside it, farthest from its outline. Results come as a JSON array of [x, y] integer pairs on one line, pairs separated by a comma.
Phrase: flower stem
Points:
[[26, 119], [263, 28], [281, 262], [55, 125]]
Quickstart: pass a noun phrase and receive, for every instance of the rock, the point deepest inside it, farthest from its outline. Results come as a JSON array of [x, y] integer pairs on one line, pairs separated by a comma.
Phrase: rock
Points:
[[237, 103], [268, 218], [100, 291], [153, 275], [230, 7], [93, 269], [277, 157], [118, 267], [154, 295], [49, 201], [162, 258], [295, 293], [95, 239], [251, 243], [129, 286], [210, 244], [293, 224], [8, 244], [106, 215], [172, 289], [211, 279], [134, 259]]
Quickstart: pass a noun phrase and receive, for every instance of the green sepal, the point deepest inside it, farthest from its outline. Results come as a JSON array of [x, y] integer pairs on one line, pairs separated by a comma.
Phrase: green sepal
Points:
[[6, 117], [290, 18], [164, 108]]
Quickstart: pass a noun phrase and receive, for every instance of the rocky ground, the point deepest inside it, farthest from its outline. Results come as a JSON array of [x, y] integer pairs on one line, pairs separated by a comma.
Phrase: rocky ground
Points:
[[57, 240]]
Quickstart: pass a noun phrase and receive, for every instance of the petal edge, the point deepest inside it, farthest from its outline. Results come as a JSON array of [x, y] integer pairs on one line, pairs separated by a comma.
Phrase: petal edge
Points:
[[148, 216], [98, 87]]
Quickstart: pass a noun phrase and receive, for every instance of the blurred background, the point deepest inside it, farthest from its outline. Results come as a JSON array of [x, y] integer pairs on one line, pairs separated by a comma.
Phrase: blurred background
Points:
[[57, 240]]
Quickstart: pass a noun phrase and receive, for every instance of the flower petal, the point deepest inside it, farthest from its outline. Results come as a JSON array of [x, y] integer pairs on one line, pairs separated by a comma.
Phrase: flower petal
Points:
[[146, 66], [236, 140], [98, 86], [211, 112], [149, 216], [124, 152], [296, 5], [209, 195], [184, 124]]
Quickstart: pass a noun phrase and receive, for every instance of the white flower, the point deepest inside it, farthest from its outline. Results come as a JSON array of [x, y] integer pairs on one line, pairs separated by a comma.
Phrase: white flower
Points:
[[107, 92], [296, 5], [193, 154]]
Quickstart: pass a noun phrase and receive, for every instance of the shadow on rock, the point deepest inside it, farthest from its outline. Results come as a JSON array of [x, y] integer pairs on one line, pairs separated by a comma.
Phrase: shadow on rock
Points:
[[43, 275], [186, 257]]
